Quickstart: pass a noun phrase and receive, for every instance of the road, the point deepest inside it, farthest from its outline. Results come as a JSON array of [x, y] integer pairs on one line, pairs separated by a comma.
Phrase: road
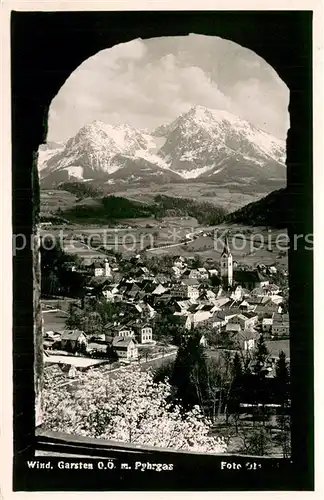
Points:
[[188, 240], [155, 362]]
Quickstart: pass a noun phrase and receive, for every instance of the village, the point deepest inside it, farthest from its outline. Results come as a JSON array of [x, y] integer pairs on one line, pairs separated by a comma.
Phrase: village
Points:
[[137, 311]]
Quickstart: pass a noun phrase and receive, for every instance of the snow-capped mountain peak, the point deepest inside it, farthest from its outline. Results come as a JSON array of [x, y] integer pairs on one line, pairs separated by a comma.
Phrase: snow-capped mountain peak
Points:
[[201, 143]]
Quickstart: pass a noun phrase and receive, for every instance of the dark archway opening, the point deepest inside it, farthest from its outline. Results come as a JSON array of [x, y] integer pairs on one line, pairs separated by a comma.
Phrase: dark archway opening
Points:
[[46, 48]]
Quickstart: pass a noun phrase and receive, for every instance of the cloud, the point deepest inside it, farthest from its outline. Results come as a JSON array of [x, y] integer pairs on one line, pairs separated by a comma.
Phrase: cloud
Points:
[[147, 83], [255, 101]]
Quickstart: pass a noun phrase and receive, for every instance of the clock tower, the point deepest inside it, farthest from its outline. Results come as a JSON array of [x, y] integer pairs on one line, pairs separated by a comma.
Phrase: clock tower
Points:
[[226, 263]]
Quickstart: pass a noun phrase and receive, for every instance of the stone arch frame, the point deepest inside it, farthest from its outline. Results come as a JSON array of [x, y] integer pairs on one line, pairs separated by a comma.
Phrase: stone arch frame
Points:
[[46, 48]]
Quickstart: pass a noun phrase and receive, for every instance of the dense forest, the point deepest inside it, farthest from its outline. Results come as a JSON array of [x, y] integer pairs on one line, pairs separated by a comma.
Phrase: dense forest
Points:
[[272, 210], [80, 189], [113, 208], [204, 212]]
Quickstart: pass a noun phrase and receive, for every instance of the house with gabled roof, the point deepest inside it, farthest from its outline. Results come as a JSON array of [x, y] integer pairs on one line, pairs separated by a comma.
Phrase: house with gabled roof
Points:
[[280, 325], [159, 290], [245, 340], [207, 295], [246, 306], [110, 291], [233, 328], [267, 324], [181, 306], [73, 340], [246, 320], [222, 301], [186, 288], [125, 348], [100, 268], [201, 314], [125, 330], [263, 310], [143, 333], [184, 320]]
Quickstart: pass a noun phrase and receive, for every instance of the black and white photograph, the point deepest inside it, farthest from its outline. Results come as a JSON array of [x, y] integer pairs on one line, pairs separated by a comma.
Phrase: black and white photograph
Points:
[[162, 250]]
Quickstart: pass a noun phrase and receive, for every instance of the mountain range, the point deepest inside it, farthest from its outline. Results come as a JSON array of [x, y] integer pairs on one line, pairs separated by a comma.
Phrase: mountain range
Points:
[[201, 145]]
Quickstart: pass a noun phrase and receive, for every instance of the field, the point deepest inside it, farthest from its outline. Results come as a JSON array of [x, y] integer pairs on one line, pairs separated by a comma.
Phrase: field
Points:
[[244, 246], [248, 245], [230, 197], [54, 321], [130, 236], [53, 199]]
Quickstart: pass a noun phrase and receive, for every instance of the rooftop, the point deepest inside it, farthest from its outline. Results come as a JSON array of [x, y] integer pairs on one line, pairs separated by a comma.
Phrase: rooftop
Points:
[[123, 341], [72, 334]]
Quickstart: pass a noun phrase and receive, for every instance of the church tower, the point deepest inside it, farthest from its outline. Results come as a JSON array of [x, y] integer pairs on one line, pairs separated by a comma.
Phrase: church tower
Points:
[[107, 270], [226, 263]]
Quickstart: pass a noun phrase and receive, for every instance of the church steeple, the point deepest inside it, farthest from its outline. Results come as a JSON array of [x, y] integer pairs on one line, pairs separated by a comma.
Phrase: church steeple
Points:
[[226, 263], [226, 248]]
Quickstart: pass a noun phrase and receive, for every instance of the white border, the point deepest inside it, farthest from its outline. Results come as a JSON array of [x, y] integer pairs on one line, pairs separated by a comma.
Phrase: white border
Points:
[[5, 202]]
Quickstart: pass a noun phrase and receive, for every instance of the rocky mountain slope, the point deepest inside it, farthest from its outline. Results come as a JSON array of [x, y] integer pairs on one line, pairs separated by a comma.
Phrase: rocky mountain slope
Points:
[[202, 144]]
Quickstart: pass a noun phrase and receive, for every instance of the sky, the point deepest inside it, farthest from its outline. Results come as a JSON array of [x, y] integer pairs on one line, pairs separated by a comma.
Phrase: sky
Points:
[[146, 83]]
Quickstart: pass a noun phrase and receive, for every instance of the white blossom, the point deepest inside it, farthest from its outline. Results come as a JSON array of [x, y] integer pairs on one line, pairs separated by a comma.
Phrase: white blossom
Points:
[[130, 408]]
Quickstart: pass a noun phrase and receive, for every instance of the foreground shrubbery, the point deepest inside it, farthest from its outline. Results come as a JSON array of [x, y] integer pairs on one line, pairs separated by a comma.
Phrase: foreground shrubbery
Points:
[[131, 408]]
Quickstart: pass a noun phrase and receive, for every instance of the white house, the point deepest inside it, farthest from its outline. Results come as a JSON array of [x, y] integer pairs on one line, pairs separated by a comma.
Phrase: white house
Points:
[[159, 290], [125, 348], [101, 269], [179, 262], [237, 294], [110, 292], [280, 325], [177, 271], [143, 333], [73, 340], [246, 320], [201, 315], [188, 288], [267, 325], [246, 340]]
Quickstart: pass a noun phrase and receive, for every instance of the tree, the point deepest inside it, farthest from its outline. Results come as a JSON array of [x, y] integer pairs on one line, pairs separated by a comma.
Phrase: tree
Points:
[[237, 369], [166, 329], [107, 311], [261, 354], [257, 384], [282, 395], [50, 283], [282, 378], [190, 372], [236, 389], [257, 441], [284, 438], [74, 318], [197, 262], [163, 371], [144, 352], [130, 408], [92, 324], [215, 385]]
